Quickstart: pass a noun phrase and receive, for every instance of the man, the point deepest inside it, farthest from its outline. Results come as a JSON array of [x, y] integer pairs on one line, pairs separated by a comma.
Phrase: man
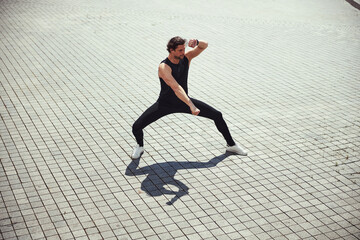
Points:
[[173, 74]]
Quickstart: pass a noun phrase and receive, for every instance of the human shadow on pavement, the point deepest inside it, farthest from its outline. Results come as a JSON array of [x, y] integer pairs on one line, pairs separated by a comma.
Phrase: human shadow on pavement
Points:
[[160, 175]]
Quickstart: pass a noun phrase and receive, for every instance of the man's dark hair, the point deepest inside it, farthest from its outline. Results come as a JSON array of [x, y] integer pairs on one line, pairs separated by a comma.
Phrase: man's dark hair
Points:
[[174, 42]]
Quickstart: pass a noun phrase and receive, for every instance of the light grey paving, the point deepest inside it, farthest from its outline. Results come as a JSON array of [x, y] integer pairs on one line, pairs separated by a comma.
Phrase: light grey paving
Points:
[[75, 75]]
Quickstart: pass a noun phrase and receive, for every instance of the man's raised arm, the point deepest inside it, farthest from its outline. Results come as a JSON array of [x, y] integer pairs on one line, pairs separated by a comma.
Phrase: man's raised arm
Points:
[[198, 46]]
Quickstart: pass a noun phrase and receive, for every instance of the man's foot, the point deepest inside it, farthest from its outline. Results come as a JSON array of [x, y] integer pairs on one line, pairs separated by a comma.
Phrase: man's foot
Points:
[[138, 151], [237, 149]]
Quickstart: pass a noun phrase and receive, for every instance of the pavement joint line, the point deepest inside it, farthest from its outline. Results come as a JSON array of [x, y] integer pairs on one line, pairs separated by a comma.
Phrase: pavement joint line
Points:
[[74, 77]]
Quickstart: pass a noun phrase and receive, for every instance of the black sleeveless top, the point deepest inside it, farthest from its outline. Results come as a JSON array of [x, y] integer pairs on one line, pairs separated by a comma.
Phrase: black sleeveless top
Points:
[[180, 73]]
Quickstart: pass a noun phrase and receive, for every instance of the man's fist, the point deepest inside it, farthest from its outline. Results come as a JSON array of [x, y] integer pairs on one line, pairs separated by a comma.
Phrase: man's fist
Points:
[[194, 110], [192, 43]]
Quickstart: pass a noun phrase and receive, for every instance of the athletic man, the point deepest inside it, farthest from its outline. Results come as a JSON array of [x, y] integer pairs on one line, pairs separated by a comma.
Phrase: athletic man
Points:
[[173, 74]]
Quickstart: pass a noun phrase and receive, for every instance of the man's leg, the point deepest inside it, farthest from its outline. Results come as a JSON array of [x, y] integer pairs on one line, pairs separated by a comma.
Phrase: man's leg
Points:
[[211, 113], [152, 114]]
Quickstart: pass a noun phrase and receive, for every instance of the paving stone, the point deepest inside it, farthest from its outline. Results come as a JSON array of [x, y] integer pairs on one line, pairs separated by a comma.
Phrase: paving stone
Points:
[[76, 75]]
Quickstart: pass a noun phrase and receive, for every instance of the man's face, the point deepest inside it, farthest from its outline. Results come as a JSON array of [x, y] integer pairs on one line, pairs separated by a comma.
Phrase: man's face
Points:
[[179, 52]]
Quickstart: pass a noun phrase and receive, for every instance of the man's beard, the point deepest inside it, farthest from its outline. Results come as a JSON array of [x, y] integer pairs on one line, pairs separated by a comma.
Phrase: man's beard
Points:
[[180, 57]]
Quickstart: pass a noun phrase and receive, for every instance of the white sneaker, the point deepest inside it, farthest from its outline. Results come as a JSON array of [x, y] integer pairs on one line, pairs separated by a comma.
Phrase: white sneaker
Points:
[[138, 151], [237, 149]]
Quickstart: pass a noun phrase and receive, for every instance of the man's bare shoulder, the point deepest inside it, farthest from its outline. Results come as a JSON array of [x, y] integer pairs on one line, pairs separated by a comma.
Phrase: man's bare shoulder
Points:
[[164, 70], [164, 67]]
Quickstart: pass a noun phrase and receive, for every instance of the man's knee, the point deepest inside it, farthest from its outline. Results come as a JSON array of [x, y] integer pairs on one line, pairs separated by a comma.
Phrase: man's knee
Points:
[[136, 126], [218, 115], [214, 115]]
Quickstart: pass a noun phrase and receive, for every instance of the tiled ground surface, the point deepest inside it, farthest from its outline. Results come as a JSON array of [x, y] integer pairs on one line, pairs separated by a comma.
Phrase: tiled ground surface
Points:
[[76, 74]]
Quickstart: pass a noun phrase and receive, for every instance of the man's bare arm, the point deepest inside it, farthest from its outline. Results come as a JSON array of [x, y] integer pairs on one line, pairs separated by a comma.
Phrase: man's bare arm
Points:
[[197, 49], [165, 74]]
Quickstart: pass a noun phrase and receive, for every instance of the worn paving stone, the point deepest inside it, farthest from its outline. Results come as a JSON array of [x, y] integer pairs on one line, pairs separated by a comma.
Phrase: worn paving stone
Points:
[[76, 75]]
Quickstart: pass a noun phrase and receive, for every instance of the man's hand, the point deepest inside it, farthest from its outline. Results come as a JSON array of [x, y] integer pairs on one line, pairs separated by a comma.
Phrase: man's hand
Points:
[[194, 110], [193, 43]]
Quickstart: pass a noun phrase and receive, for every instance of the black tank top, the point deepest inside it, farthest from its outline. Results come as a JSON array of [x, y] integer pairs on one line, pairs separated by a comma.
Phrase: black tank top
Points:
[[180, 73]]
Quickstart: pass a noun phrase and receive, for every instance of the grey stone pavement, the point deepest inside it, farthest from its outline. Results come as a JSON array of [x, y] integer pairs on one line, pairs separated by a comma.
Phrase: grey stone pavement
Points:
[[75, 75]]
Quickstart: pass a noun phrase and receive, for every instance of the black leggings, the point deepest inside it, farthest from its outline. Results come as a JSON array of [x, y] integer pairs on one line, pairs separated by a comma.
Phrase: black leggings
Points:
[[157, 111]]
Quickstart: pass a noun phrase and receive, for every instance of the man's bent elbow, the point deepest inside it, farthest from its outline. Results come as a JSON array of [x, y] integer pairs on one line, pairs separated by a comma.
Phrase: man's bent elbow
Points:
[[203, 44]]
